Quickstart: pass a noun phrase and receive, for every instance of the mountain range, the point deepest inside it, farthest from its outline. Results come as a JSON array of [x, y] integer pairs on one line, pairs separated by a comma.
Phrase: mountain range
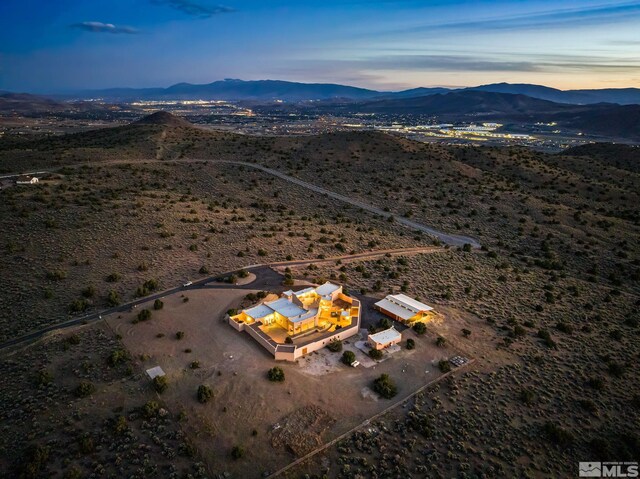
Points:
[[271, 90]]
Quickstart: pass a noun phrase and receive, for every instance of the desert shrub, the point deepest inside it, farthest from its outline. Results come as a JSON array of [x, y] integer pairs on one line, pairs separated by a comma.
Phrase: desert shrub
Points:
[[237, 452], [160, 384], [275, 374], [86, 445], [157, 305], [546, 338], [113, 278], [204, 393], [596, 383], [56, 275], [557, 434], [564, 327], [420, 328], [384, 323], [375, 354], [78, 306], [44, 377], [204, 270], [113, 299], [288, 340], [444, 366], [73, 339], [616, 369], [411, 344], [118, 356], [89, 292], [144, 315], [194, 365], [348, 357], [527, 396], [243, 273], [120, 425], [180, 335], [385, 386], [33, 461], [466, 333], [150, 409], [335, 346], [440, 341], [84, 389]]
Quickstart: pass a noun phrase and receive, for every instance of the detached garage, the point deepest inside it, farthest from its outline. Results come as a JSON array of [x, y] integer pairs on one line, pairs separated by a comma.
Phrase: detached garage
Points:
[[403, 308], [384, 339]]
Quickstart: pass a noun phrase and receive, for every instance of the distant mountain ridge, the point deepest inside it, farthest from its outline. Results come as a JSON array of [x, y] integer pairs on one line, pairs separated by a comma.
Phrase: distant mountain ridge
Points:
[[272, 90]]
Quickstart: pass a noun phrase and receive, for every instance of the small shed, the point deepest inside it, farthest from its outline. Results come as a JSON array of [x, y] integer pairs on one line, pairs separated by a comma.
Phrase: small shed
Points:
[[155, 372], [384, 339]]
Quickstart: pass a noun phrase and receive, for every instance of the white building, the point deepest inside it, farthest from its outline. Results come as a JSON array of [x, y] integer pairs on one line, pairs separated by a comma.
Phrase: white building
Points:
[[384, 339], [404, 309], [27, 180]]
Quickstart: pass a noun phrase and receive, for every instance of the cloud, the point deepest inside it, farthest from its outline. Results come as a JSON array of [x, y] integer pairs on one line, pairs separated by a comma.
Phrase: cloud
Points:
[[194, 7], [99, 27]]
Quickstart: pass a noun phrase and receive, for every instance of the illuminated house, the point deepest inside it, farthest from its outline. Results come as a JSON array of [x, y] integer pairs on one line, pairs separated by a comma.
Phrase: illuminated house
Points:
[[300, 322], [404, 309]]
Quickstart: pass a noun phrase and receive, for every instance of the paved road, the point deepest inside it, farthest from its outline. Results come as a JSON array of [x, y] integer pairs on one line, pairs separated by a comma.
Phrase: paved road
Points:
[[266, 280], [446, 238], [450, 239]]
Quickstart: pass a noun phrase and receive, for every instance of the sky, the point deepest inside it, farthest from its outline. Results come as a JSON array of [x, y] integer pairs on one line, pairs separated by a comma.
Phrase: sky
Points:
[[53, 46]]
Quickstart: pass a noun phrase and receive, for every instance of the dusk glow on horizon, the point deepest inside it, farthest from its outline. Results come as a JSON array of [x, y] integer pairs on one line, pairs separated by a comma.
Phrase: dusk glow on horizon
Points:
[[69, 45]]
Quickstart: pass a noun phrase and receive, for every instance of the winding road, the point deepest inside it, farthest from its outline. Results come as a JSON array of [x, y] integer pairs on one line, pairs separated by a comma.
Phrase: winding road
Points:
[[267, 279]]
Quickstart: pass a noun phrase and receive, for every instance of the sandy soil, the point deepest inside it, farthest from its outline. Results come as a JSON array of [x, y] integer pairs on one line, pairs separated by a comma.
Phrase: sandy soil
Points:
[[235, 366]]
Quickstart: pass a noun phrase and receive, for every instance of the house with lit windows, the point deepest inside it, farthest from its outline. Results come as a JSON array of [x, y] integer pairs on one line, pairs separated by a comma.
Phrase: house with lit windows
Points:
[[300, 322]]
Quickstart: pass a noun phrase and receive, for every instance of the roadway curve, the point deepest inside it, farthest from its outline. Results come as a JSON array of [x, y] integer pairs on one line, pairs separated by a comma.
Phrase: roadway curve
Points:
[[266, 279], [446, 238]]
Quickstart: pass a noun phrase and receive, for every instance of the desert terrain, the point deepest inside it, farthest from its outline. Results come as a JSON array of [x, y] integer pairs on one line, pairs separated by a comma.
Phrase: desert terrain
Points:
[[547, 307]]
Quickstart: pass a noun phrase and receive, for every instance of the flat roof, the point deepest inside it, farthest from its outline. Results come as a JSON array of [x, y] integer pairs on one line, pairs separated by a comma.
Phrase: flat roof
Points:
[[155, 372], [308, 314], [286, 308], [386, 336], [259, 312], [327, 288], [396, 309]]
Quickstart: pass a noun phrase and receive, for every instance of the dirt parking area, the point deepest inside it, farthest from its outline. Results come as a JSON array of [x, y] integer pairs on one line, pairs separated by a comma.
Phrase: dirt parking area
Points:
[[321, 395]]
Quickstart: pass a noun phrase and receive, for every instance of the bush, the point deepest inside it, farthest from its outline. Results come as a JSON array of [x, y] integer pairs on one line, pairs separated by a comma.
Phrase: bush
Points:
[[385, 386], [411, 344], [385, 323], [276, 374], [204, 393], [118, 356], [157, 305], [44, 377], [348, 357], [557, 434], [527, 396], [113, 278], [440, 341], [33, 461], [466, 333], [78, 306], [420, 328], [180, 335], [144, 315], [113, 299], [150, 409], [546, 337], [237, 452], [375, 354], [335, 346], [194, 365], [160, 384], [84, 389], [444, 366]]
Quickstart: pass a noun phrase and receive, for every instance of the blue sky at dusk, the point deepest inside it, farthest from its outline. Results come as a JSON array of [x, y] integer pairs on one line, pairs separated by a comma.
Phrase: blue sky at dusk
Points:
[[61, 45]]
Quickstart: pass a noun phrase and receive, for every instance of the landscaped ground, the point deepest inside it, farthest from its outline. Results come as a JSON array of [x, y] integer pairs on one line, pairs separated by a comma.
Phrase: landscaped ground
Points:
[[318, 392]]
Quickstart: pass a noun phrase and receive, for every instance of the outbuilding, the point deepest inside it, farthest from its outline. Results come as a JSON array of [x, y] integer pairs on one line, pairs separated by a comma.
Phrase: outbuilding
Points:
[[384, 339], [404, 309], [27, 180]]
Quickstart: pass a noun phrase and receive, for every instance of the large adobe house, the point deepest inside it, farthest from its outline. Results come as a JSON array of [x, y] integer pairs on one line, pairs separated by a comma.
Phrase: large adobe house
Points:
[[300, 322], [404, 309]]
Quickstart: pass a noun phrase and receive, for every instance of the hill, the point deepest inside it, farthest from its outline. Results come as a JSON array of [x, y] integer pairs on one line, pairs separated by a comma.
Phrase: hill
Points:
[[622, 96], [27, 104], [626, 157], [231, 89], [163, 118]]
